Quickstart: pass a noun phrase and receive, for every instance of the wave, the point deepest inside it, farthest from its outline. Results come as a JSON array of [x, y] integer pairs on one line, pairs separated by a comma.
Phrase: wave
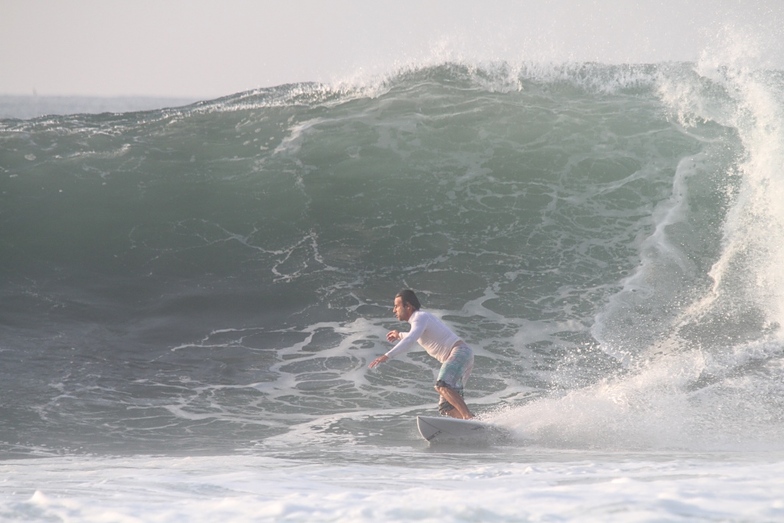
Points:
[[605, 236]]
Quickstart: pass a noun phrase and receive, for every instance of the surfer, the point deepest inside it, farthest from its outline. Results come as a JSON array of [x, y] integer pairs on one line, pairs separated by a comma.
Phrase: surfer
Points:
[[457, 358]]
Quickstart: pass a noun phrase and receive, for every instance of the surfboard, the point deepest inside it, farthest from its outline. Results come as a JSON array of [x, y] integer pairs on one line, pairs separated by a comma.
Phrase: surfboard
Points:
[[442, 428]]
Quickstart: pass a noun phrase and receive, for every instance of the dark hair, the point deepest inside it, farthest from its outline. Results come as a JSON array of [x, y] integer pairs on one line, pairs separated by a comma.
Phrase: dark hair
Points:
[[409, 297]]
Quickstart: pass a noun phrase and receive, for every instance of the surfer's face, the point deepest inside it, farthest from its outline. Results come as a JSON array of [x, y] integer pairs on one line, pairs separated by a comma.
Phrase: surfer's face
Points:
[[403, 311]]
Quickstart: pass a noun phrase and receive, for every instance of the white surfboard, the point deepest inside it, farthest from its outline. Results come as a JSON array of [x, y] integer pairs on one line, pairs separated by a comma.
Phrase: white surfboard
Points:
[[442, 428]]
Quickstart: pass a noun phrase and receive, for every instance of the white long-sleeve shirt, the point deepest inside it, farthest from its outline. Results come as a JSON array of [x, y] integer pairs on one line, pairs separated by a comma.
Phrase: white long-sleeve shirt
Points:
[[431, 333]]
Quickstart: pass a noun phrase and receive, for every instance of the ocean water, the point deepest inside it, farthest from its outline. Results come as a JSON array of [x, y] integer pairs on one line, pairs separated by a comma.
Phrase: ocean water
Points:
[[35, 106], [191, 296]]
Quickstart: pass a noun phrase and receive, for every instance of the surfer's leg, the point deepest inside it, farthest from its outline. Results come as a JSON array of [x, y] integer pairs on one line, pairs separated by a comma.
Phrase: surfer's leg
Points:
[[452, 403], [447, 409], [454, 372]]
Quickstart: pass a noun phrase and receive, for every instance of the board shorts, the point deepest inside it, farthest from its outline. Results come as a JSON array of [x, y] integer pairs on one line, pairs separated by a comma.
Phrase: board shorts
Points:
[[454, 373]]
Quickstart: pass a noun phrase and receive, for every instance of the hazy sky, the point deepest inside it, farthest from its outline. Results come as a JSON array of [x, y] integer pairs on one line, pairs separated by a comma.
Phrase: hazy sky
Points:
[[210, 48]]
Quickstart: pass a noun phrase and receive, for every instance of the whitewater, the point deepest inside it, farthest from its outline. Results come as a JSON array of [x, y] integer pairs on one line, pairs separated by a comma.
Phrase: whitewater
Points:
[[191, 296]]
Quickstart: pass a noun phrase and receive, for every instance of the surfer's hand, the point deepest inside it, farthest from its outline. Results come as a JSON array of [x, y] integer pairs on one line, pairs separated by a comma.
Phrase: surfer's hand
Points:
[[378, 361], [393, 336]]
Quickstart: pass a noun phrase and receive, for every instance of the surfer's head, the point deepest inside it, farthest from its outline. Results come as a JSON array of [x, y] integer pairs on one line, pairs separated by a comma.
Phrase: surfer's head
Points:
[[410, 298], [406, 303]]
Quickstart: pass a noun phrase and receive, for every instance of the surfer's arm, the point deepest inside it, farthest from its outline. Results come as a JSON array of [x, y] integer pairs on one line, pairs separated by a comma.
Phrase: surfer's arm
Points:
[[378, 361], [392, 336], [407, 339]]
